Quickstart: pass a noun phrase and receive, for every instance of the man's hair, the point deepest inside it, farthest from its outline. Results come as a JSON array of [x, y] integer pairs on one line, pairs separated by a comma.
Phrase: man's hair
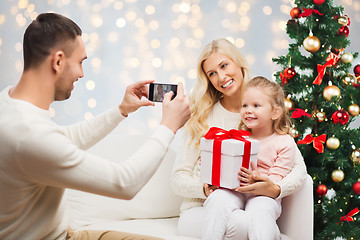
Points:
[[46, 33]]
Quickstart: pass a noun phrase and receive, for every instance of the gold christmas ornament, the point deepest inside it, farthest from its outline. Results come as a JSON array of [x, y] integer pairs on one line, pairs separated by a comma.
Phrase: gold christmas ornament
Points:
[[349, 79], [288, 103], [355, 156], [337, 175], [293, 132], [333, 143], [320, 115], [354, 109], [311, 44], [342, 20], [346, 58], [331, 91]]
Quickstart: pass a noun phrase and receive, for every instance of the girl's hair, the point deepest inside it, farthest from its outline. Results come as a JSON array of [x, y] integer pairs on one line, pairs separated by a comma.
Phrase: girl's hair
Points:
[[276, 94], [204, 95]]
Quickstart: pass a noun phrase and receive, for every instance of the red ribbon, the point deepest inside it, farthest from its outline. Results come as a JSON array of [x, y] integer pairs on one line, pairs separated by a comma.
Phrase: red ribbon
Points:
[[318, 142], [348, 217], [331, 60], [219, 135], [348, 24], [308, 11], [298, 112], [283, 79]]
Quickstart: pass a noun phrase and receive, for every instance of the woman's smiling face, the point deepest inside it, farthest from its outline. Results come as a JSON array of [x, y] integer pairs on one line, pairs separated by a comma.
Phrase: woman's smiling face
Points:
[[223, 74]]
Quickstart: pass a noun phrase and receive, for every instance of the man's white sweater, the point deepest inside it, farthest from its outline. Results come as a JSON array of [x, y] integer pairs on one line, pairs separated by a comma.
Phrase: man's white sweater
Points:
[[39, 159]]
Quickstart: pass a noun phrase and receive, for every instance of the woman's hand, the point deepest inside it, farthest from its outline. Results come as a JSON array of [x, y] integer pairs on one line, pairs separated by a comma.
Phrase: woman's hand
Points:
[[262, 186], [209, 189]]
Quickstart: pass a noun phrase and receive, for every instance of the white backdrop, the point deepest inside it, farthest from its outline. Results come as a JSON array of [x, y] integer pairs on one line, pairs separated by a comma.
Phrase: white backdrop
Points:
[[132, 40]]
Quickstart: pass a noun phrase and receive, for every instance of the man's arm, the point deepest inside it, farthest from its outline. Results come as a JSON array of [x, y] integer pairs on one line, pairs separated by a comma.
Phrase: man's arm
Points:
[[87, 133], [54, 160]]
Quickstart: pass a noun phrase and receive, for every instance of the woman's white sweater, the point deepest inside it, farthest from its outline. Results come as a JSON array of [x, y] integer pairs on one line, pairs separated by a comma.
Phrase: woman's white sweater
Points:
[[186, 172]]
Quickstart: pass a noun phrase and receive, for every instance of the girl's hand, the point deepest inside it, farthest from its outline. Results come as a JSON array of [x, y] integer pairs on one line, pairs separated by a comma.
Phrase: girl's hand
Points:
[[262, 186], [208, 189], [246, 176]]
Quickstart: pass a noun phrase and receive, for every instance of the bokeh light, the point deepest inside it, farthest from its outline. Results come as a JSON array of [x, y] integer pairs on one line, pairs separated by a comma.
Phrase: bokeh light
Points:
[[2, 18], [267, 10], [92, 103], [120, 22], [90, 85]]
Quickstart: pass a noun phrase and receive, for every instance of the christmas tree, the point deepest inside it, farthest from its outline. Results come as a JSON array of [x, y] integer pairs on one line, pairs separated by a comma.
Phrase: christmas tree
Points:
[[323, 93]]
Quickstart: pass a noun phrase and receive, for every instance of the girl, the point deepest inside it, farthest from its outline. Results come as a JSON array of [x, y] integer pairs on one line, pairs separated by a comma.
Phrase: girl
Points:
[[263, 113], [216, 102]]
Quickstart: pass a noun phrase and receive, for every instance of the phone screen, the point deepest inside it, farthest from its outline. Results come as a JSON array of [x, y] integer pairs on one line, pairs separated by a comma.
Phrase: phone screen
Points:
[[157, 91]]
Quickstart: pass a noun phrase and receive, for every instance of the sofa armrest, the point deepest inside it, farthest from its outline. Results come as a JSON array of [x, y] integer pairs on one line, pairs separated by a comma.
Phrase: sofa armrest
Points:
[[297, 217]]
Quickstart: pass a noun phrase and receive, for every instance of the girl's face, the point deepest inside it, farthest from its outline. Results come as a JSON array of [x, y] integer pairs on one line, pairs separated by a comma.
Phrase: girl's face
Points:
[[257, 113], [223, 74]]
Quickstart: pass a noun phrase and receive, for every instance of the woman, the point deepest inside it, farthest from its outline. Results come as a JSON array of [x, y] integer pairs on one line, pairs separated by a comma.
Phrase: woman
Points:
[[216, 102]]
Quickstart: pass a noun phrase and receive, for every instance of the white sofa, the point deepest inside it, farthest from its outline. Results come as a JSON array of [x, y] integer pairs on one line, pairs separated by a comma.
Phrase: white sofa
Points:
[[155, 210]]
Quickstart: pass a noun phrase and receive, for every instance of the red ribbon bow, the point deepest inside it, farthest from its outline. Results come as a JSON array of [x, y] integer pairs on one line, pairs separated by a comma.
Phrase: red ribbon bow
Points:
[[331, 60], [318, 142], [219, 135], [348, 217], [298, 112], [308, 11], [283, 79]]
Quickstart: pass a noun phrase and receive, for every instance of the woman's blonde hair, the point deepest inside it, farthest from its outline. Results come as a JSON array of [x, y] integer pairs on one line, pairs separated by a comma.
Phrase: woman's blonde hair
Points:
[[276, 94], [204, 95]]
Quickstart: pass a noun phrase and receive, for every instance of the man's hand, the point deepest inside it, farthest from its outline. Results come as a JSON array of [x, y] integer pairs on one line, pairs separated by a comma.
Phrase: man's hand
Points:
[[133, 97], [175, 112]]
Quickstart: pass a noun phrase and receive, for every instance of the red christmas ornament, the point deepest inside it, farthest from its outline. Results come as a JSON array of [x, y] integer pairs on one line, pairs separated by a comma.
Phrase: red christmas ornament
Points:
[[340, 116], [356, 188], [321, 190], [357, 70], [295, 12], [319, 2], [289, 72], [344, 30]]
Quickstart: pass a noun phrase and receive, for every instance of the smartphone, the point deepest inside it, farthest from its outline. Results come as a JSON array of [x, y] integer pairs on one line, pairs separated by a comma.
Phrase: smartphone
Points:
[[157, 91]]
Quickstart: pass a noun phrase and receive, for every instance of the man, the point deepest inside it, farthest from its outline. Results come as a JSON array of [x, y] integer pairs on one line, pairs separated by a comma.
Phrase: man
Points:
[[39, 159]]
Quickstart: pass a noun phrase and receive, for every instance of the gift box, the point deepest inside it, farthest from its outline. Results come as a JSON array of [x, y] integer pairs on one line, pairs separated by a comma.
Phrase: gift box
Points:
[[223, 153]]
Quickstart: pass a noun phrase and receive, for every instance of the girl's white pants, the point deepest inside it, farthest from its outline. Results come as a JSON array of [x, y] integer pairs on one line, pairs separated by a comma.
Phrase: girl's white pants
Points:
[[231, 215]]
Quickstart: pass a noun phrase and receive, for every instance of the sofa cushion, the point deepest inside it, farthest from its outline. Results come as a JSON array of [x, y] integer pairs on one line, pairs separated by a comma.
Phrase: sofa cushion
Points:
[[155, 200], [163, 227]]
